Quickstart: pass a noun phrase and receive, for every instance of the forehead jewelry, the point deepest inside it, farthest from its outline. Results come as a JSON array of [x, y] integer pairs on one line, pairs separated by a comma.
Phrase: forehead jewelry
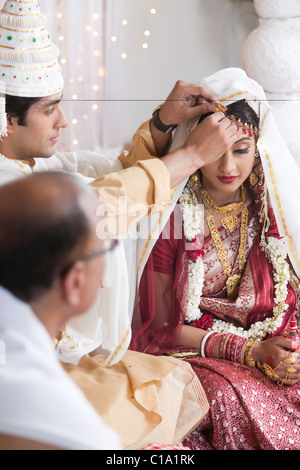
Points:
[[221, 108], [248, 129]]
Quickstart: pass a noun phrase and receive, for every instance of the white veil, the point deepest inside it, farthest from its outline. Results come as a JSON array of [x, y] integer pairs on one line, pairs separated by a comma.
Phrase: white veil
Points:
[[281, 170]]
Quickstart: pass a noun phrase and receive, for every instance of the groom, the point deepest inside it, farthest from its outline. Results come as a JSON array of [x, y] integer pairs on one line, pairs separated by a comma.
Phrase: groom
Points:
[[32, 117]]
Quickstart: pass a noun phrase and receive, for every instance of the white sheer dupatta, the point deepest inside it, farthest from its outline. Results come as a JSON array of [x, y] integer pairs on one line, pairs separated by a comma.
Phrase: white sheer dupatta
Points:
[[281, 170]]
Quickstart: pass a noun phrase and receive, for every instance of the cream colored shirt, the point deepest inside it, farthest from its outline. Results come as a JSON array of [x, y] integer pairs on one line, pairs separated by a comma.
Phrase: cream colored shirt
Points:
[[142, 148], [147, 183]]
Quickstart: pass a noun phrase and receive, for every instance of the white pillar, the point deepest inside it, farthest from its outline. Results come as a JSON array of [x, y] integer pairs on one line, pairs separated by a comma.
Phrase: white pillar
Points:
[[271, 56]]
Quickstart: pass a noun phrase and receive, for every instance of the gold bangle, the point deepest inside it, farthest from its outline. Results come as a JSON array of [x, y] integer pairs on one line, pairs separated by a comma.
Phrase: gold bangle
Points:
[[248, 358]]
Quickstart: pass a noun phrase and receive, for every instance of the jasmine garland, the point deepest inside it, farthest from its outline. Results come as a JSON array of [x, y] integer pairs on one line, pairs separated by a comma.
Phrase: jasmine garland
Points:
[[193, 214]]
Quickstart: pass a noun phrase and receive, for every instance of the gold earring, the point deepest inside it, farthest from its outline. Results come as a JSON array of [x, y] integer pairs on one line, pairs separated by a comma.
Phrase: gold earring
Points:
[[253, 176], [253, 179]]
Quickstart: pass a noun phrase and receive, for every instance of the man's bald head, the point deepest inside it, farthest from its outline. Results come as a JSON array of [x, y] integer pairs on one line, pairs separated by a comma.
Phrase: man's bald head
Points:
[[45, 222]]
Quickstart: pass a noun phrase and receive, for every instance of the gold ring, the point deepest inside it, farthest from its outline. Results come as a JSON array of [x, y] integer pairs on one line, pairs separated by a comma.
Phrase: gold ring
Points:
[[290, 359], [291, 370]]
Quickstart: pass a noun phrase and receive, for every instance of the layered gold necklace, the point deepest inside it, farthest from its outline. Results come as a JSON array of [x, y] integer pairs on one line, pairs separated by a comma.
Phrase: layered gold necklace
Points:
[[229, 222]]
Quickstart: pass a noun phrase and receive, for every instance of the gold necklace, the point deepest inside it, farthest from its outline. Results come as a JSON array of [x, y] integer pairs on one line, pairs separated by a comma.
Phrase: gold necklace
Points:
[[233, 282], [230, 220]]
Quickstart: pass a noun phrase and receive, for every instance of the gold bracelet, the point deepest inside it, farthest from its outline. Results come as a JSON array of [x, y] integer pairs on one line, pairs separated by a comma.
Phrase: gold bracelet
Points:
[[248, 358], [270, 373]]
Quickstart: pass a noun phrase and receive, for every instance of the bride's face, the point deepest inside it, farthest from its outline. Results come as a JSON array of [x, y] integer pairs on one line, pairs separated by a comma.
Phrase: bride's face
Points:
[[227, 174]]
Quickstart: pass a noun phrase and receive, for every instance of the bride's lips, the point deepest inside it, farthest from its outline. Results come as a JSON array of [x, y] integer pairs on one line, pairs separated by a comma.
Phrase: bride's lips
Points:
[[227, 179]]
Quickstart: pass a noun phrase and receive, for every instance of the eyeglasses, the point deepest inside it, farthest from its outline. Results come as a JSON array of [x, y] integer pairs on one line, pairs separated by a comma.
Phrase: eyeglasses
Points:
[[111, 245]]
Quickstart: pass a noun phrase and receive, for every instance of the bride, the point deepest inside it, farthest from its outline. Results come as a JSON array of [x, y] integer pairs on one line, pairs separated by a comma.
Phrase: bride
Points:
[[218, 279]]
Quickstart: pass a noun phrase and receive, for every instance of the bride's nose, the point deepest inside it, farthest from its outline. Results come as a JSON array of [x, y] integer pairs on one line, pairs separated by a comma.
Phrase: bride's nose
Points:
[[227, 164]]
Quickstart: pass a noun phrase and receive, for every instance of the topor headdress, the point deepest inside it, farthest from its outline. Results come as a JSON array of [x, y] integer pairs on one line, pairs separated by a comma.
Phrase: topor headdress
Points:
[[29, 64]]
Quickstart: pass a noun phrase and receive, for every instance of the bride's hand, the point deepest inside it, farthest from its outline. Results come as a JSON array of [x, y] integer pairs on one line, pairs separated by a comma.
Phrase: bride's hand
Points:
[[282, 355]]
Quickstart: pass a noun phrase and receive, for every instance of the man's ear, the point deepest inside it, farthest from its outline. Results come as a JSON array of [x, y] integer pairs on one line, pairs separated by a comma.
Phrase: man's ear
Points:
[[11, 124], [73, 284]]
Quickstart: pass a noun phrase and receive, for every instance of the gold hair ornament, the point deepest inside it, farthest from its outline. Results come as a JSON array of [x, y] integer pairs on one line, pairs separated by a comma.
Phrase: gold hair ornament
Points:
[[248, 129]]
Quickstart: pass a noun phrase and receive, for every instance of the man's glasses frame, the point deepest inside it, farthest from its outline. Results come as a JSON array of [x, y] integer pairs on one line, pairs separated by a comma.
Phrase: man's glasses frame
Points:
[[95, 254], [113, 243]]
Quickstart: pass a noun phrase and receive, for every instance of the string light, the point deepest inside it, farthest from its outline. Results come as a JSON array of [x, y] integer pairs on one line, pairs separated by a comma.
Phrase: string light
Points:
[[79, 83], [118, 38]]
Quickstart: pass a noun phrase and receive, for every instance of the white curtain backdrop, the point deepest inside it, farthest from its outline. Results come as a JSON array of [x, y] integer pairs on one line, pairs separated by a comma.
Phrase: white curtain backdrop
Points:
[[82, 30], [121, 58]]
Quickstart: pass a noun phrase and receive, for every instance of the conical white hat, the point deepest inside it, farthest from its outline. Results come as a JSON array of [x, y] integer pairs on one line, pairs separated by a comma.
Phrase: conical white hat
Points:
[[29, 64]]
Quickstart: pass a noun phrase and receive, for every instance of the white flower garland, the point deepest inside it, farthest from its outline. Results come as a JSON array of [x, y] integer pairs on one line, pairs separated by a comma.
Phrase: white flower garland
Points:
[[193, 216], [196, 279], [276, 251]]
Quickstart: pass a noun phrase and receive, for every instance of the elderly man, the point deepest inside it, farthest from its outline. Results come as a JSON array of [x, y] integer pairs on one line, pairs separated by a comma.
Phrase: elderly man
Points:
[[51, 264], [49, 273]]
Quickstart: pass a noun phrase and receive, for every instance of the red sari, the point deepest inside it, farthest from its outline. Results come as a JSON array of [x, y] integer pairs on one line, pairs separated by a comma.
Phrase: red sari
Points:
[[247, 410]]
